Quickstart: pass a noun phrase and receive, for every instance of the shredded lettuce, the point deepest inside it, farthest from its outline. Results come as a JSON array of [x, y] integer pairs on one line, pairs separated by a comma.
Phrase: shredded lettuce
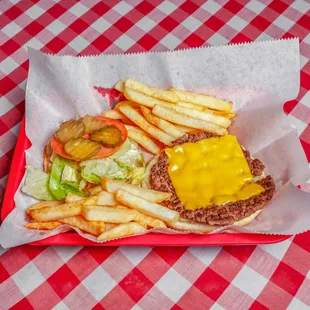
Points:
[[60, 186], [36, 184], [126, 165]]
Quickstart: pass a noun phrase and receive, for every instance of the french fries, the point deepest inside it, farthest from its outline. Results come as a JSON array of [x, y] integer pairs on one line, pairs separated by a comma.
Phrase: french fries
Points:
[[142, 99], [190, 105], [95, 190], [228, 115], [79, 222], [43, 225], [120, 86], [140, 121], [165, 126], [153, 196], [43, 204], [144, 140], [151, 91], [106, 199], [146, 207], [72, 198], [205, 116], [57, 212], [187, 226], [112, 114], [188, 121], [51, 213], [149, 221], [122, 230], [203, 100], [108, 214]]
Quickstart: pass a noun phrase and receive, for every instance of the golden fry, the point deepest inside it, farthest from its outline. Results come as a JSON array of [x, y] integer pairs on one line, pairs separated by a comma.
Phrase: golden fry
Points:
[[79, 222], [140, 121], [190, 105], [122, 230], [188, 121], [205, 116], [141, 98], [95, 190], [160, 94], [72, 198], [108, 214], [43, 204], [115, 114], [146, 207], [203, 100], [144, 140], [106, 199], [228, 115], [120, 86], [165, 126], [187, 226], [153, 196], [43, 225]]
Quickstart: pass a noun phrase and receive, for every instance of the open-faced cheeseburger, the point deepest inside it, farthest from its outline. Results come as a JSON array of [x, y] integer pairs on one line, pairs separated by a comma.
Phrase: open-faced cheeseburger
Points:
[[212, 179]]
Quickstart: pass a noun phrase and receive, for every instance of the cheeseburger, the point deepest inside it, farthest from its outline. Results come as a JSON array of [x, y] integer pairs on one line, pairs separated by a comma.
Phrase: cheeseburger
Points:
[[212, 179]]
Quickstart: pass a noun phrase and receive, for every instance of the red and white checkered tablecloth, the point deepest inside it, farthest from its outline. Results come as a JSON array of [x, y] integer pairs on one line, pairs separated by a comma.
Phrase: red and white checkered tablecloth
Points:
[[252, 277]]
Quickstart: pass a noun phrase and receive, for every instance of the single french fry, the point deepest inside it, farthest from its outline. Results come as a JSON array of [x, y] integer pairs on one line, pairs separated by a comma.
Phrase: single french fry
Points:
[[165, 126], [95, 190], [149, 194], [203, 100], [72, 198], [228, 115], [149, 221], [135, 128], [190, 105], [160, 94], [204, 116], [128, 102], [140, 121], [120, 86], [146, 207], [142, 99], [79, 222], [187, 226], [108, 214], [184, 129], [109, 226], [115, 114], [106, 199], [145, 220], [143, 140], [188, 121], [43, 225], [122, 230], [57, 212], [43, 204]]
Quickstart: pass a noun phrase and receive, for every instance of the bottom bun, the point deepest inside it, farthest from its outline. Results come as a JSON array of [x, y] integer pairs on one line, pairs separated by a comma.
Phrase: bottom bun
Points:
[[186, 225]]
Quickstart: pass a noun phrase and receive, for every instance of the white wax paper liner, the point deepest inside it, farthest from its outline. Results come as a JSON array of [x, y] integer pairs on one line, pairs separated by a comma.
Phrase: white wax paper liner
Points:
[[257, 77]]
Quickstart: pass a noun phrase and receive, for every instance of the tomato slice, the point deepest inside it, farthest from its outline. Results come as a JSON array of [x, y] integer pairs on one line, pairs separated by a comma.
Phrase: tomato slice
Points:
[[59, 149]]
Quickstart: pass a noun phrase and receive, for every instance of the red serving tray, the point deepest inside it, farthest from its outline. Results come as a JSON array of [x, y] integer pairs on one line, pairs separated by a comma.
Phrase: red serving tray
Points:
[[71, 238]]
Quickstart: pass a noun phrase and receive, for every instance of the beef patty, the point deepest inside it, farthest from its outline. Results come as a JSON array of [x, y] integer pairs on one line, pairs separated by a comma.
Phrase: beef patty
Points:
[[221, 215]]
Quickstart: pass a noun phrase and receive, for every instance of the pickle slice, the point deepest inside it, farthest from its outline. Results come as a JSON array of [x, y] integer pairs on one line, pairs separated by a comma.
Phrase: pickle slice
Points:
[[108, 136], [91, 124], [70, 130], [81, 149]]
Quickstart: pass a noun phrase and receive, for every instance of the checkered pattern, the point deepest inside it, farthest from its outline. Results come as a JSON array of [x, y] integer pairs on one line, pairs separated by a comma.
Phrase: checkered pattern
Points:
[[253, 277]]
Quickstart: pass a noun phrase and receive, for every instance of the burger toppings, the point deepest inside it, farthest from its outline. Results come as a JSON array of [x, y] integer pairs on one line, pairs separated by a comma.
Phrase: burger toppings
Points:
[[88, 138], [81, 148], [211, 171]]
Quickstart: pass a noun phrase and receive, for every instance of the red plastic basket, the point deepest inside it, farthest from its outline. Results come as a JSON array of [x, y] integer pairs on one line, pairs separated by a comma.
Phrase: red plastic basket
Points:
[[71, 238]]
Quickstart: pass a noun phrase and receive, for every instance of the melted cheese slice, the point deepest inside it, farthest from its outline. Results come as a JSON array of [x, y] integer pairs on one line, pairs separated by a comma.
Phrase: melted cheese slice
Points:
[[210, 171]]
